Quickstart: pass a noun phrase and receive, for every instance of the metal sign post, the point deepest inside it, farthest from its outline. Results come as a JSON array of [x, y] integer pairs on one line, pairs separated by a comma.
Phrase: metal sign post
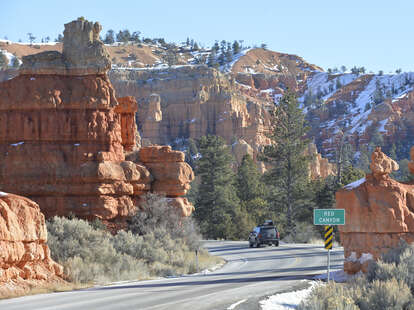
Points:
[[329, 217], [328, 244]]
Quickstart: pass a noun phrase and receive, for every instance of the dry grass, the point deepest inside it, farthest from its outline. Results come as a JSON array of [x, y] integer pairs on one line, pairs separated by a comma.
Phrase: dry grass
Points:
[[31, 288]]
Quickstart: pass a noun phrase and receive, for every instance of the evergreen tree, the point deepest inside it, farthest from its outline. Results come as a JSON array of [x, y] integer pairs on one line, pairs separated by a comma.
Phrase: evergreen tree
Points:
[[249, 185], [352, 174], [378, 95], [135, 36], [31, 37], [211, 62], [343, 68], [216, 47], [59, 38], [109, 37], [217, 202], [3, 61], [15, 62], [236, 47], [229, 52], [251, 191], [287, 155], [191, 153]]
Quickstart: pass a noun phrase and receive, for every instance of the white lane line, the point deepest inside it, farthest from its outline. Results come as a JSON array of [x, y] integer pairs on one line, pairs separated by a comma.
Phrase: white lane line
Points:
[[233, 306]]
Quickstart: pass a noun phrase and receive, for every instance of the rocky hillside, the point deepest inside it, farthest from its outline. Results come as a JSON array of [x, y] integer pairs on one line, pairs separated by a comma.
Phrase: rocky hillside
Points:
[[233, 98]]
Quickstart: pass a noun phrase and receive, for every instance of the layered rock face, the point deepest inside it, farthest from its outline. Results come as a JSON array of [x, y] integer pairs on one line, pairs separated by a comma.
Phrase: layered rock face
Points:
[[24, 255], [63, 137], [379, 212], [189, 102]]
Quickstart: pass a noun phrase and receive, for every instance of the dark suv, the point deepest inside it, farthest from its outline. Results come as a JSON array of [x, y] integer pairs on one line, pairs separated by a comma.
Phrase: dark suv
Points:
[[264, 234]]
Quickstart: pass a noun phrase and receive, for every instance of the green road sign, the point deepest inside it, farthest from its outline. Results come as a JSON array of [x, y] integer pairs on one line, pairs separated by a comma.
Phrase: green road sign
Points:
[[328, 216]]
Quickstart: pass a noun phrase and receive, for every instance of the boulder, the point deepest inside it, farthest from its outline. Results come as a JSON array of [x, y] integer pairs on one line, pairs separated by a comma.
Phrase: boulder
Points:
[[24, 255], [379, 213]]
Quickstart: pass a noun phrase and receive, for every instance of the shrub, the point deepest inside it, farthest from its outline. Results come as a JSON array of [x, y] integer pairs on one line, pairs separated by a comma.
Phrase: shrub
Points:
[[387, 285], [330, 297], [390, 294], [87, 254], [159, 242], [157, 215], [305, 233]]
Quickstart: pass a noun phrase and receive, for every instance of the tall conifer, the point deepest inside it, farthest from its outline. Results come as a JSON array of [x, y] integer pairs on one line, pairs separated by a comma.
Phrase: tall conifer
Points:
[[289, 174]]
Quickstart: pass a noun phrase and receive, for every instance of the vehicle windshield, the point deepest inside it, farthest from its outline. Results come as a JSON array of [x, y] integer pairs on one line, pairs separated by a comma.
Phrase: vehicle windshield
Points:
[[268, 232]]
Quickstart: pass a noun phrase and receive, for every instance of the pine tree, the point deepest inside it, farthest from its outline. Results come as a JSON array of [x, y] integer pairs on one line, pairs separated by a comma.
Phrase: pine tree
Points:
[[31, 37], [249, 185], [211, 62], [135, 36], [3, 61], [109, 37], [287, 155], [251, 191], [217, 202], [236, 47]]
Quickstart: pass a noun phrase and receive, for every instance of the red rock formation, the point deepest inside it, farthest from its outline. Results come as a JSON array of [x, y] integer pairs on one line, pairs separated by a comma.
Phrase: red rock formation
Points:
[[379, 212], [63, 137], [24, 255], [319, 167], [127, 108], [171, 174]]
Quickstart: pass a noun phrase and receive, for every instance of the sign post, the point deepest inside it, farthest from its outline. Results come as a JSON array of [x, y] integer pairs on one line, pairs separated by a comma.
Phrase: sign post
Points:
[[328, 217]]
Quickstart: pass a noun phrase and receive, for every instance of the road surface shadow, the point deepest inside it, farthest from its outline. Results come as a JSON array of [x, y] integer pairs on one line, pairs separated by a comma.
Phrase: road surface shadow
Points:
[[209, 282], [205, 281]]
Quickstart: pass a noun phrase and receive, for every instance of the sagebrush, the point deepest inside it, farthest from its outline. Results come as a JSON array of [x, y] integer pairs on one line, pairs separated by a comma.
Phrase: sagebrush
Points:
[[157, 243], [388, 284]]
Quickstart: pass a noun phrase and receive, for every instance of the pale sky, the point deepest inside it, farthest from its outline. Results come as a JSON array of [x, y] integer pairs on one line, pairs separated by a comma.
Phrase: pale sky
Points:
[[375, 34]]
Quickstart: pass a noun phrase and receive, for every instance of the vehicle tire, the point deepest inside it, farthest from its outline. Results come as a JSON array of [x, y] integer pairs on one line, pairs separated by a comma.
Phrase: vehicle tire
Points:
[[250, 245], [277, 243]]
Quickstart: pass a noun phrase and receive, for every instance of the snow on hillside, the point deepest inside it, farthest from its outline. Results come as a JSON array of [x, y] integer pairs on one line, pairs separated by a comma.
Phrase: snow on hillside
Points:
[[10, 57], [379, 88]]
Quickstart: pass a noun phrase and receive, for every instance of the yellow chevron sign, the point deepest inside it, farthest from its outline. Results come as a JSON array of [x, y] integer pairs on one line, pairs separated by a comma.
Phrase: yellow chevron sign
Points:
[[328, 237]]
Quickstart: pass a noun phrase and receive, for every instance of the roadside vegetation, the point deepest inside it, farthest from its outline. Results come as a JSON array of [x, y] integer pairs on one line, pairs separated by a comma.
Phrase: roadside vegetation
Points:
[[158, 242], [388, 284], [231, 199]]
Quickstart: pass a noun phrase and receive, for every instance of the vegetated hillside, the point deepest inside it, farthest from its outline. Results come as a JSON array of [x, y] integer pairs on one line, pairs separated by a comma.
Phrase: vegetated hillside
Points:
[[352, 108]]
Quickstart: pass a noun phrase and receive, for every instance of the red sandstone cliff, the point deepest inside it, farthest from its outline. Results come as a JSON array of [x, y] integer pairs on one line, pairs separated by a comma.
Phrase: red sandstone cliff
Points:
[[63, 136], [379, 212], [24, 255]]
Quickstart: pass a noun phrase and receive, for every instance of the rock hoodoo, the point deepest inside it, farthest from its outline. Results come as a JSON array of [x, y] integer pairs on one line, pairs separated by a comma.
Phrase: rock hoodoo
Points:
[[83, 53], [24, 255], [379, 212], [63, 137]]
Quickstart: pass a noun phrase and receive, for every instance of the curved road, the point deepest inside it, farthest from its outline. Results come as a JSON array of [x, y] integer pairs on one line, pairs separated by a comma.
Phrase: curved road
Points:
[[249, 276]]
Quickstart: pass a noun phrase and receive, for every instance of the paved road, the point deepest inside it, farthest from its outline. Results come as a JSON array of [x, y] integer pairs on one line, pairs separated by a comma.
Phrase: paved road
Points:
[[248, 276]]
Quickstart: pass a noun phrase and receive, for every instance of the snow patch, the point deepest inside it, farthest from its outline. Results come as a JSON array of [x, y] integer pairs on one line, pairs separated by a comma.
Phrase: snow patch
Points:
[[233, 306], [354, 184], [364, 258], [289, 300], [18, 143], [382, 125]]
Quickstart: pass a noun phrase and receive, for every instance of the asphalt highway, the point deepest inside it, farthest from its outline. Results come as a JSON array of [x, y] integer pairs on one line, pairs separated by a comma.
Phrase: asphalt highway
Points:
[[249, 275]]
